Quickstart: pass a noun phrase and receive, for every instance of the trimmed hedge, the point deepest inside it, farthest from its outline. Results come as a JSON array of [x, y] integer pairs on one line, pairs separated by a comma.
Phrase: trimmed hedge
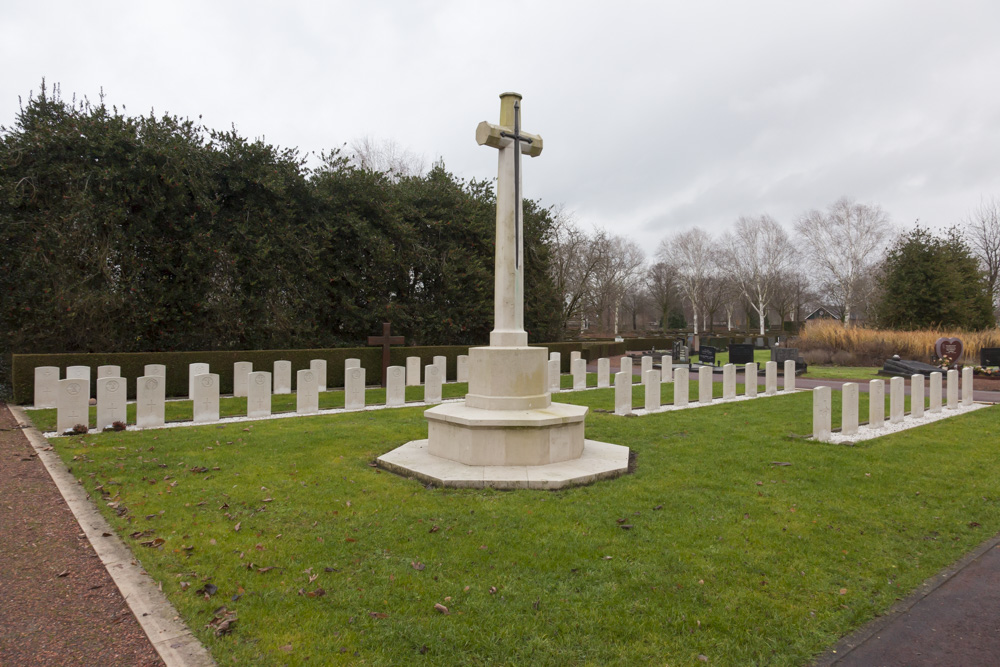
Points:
[[132, 364]]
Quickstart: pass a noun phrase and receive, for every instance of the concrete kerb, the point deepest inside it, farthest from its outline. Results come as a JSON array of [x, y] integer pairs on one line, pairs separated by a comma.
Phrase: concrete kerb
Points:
[[843, 648], [172, 639]]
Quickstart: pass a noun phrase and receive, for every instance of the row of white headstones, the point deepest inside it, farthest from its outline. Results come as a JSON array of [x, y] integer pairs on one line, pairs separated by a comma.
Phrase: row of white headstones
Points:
[[72, 395], [823, 402]]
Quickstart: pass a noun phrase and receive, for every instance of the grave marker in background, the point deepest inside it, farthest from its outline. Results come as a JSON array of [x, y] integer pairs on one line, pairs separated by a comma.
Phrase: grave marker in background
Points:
[[307, 390], [395, 386], [317, 366], [111, 392], [282, 377], [150, 399], [354, 388], [259, 394], [241, 376], [72, 404], [46, 386], [205, 397], [385, 340]]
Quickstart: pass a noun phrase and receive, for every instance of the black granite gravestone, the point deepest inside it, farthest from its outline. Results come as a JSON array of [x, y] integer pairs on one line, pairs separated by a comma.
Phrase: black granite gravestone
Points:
[[906, 368], [706, 355], [989, 356], [741, 354]]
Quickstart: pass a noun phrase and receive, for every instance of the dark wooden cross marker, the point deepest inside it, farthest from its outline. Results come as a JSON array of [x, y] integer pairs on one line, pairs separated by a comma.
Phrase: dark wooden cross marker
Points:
[[385, 340]]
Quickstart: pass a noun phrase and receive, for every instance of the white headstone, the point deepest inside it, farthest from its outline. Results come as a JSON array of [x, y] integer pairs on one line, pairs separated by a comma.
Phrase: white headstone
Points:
[[771, 378], [750, 380], [354, 388], [728, 382], [789, 375], [645, 364], [259, 394], [935, 393], [876, 404], [72, 404], [395, 386], [553, 365], [432, 383], [897, 392], [667, 368], [195, 370], [603, 372], [442, 363], [205, 397], [462, 368], [651, 382], [150, 398], [80, 373], [241, 376], [110, 371], [352, 363], [413, 371], [46, 386], [623, 393], [158, 370], [557, 356], [579, 369], [705, 384], [849, 409], [625, 366], [307, 389], [822, 413], [282, 377], [917, 396], [967, 385], [318, 367], [681, 387], [952, 389], [574, 355], [111, 395]]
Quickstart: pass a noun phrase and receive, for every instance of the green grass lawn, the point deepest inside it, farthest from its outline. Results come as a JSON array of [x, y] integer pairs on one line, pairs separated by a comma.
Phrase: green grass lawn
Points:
[[327, 560]]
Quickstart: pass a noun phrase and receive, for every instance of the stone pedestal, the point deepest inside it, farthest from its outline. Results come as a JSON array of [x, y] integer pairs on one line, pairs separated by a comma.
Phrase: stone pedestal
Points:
[[508, 433]]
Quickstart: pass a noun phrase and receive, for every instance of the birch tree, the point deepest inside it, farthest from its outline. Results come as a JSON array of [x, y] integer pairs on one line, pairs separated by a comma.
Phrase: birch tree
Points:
[[691, 254], [618, 271], [982, 232], [756, 252], [574, 257], [845, 243]]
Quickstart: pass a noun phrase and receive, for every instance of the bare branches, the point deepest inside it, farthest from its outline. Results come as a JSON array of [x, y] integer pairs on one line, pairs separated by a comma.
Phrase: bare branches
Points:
[[982, 231], [756, 253], [845, 243], [691, 254]]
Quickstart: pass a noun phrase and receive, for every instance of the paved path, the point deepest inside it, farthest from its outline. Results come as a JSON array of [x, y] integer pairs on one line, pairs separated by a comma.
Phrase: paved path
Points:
[[58, 604]]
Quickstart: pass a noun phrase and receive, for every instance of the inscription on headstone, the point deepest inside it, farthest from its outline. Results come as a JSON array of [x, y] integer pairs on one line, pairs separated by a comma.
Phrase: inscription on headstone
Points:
[[259, 394], [110, 401], [949, 347], [150, 394], [205, 397], [395, 387], [432, 383], [354, 389], [706, 355], [307, 390], [46, 386], [72, 404]]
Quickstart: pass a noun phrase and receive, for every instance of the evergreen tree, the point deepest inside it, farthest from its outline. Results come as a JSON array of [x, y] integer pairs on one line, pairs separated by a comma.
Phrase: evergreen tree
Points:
[[933, 281]]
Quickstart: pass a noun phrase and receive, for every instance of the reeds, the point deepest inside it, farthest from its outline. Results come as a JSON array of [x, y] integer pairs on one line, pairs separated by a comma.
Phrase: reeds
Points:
[[871, 347]]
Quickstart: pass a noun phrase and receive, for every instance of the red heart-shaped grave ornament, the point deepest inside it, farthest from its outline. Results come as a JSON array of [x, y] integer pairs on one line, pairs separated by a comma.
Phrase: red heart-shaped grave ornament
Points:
[[950, 347]]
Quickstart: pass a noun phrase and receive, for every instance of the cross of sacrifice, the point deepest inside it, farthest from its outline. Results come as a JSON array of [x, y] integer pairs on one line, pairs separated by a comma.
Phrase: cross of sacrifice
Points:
[[508, 289], [385, 340]]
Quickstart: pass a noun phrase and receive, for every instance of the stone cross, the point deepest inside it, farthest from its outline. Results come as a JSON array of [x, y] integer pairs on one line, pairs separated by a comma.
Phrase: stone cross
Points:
[[385, 340], [508, 290]]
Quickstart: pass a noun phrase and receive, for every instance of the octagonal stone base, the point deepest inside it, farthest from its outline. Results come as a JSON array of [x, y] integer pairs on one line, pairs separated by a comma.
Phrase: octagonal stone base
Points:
[[474, 436], [599, 460]]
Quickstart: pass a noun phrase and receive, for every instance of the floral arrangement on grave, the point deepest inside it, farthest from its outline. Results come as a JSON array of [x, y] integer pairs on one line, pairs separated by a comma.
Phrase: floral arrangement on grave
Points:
[[988, 372], [944, 362]]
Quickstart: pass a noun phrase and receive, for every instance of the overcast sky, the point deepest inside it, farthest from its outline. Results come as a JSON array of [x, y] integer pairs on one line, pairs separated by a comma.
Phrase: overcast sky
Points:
[[657, 116]]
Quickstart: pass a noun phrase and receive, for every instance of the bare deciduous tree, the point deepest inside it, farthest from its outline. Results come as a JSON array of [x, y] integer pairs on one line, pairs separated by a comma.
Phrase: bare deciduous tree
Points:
[[756, 252], [982, 230], [661, 282], [691, 253], [845, 243], [574, 256], [620, 269], [387, 157]]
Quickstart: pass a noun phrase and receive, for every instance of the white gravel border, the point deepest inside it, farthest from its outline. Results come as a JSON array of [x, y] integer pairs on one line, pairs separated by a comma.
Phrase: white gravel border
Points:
[[867, 433]]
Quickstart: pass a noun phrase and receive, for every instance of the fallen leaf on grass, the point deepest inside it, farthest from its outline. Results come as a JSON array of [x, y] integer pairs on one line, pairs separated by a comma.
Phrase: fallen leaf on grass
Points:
[[441, 608], [208, 590], [262, 570], [417, 565], [155, 543], [433, 529], [223, 622], [843, 591], [378, 614], [63, 573], [287, 648], [237, 526]]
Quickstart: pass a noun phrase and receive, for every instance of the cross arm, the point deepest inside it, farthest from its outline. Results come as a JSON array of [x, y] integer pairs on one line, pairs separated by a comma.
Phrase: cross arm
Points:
[[489, 134]]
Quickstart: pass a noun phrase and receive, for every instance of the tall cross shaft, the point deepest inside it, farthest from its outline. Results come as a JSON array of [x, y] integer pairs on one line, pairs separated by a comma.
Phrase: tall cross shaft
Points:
[[511, 141], [385, 340]]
